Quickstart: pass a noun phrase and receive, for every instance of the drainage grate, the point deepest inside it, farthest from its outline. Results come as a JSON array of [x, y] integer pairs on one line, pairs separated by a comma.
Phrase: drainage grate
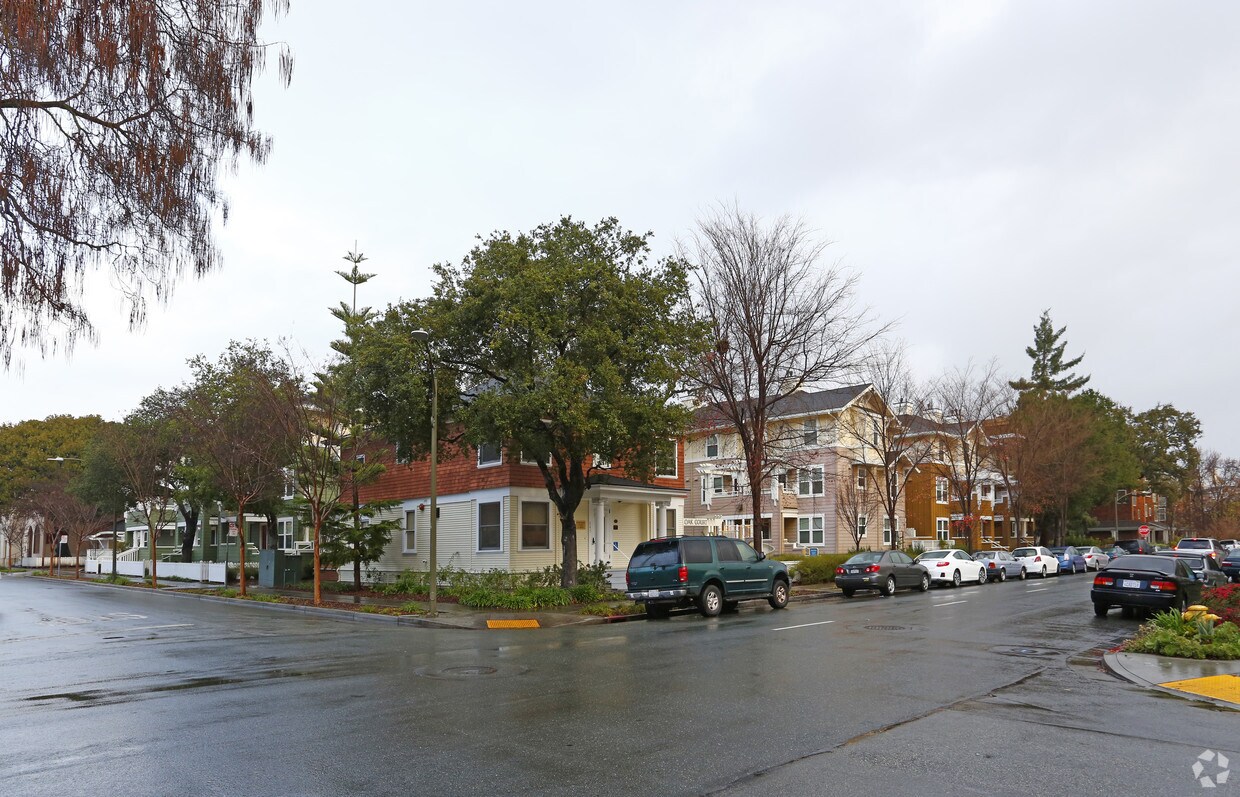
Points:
[[469, 671], [1017, 650], [886, 628]]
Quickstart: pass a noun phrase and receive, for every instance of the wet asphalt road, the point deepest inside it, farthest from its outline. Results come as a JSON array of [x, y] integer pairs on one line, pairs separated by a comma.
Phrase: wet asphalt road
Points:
[[991, 689]]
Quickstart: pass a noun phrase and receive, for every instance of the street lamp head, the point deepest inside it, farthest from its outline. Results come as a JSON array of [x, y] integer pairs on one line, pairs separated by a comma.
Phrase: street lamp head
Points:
[[420, 335]]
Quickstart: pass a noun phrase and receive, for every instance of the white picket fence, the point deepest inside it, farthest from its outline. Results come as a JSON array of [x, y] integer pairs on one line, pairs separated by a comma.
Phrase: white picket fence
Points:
[[211, 572]]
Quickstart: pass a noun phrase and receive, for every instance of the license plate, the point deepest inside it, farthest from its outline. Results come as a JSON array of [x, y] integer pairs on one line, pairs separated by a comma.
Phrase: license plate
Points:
[[652, 593], [1129, 583], [854, 572]]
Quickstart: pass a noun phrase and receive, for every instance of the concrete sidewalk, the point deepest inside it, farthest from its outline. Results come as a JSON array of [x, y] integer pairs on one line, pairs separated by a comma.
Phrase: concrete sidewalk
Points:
[[1202, 679]]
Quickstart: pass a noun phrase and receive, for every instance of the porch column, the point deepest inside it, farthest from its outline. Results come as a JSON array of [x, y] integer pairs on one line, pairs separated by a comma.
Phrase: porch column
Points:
[[660, 518], [599, 534]]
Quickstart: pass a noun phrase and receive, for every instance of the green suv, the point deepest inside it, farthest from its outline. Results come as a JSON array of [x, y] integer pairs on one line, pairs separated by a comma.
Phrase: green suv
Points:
[[716, 573]]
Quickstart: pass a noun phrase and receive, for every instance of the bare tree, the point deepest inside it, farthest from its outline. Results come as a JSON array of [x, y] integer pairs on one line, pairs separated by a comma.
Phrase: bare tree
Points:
[[69, 514], [856, 507], [781, 321], [887, 429], [967, 397], [13, 526], [1064, 462], [115, 121], [1212, 500], [145, 453]]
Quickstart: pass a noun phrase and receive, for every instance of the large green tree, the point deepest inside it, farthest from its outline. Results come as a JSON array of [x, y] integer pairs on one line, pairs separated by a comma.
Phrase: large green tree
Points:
[[1166, 440], [34, 451], [1050, 373], [564, 343]]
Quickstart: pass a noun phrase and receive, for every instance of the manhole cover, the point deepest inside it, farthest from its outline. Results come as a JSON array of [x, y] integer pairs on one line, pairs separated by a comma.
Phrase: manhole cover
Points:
[[1024, 651], [464, 672], [886, 628]]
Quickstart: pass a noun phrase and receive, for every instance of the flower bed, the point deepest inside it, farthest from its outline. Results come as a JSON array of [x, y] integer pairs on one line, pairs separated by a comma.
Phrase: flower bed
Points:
[[1194, 635]]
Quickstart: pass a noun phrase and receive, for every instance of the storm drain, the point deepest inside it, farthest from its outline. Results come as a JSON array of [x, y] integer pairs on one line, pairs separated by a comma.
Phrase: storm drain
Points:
[[469, 671], [1016, 650], [886, 628]]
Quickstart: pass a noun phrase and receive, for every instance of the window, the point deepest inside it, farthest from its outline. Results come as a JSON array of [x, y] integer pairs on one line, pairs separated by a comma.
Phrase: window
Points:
[[696, 552], [671, 521], [860, 478], [809, 530], [410, 544], [809, 431], [285, 529], [876, 432], [535, 525], [489, 454], [781, 478], [712, 446], [531, 459], [746, 551], [985, 491], [741, 528], [941, 528], [862, 522], [290, 485], [667, 465], [886, 531], [490, 526], [940, 490], [711, 485], [727, 551], [809, 480]]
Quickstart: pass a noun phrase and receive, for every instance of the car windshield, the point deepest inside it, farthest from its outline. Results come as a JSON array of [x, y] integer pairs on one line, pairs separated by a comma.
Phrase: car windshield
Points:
[[656, 553], [1233, 555], [1025, 552], [1194, 544], [934, 555], [865, 558], [1160, 564], [985, 555]]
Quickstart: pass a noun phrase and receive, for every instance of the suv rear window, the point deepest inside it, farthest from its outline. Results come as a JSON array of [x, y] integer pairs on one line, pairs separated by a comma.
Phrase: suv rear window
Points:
[[1194, 544], [658, 553], [696, 551]]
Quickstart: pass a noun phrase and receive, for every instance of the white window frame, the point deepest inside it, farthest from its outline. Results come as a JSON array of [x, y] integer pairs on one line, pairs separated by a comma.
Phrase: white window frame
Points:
[[807, 528], [499, 456], [809, 432], [675, 463], [290, 484], [284, 528], [941, 488], [805, 486], [521, 546], [942, 529], [712, 441], [861, 479], [875, 431], [409, 534], [863, 526], [886, 530], [478, 527]]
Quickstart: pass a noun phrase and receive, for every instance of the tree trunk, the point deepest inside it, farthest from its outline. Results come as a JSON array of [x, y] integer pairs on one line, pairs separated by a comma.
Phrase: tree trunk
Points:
[[153, 534], [357, 569], [318, 577], [191, 531], [568, 539], [240, 547]]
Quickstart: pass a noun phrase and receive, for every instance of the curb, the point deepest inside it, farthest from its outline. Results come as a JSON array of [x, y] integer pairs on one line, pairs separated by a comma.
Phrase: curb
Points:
[[1111, 661]]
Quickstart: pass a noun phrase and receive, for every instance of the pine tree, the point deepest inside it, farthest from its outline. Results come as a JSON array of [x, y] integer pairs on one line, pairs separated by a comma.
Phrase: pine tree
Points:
[[1048, 375]]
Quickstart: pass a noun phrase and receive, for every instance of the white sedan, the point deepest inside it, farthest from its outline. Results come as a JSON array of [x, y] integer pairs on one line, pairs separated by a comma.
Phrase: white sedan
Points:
[[952, 567], [1095, 558], [1038, 561]]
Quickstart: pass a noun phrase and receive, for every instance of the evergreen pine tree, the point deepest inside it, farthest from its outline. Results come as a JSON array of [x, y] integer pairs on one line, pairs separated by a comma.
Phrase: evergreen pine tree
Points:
[[1048, 375]]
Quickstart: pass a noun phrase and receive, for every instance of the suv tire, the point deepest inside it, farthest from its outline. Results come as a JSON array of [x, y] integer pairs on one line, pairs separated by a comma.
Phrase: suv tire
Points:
[[710, 602], [779, 594]]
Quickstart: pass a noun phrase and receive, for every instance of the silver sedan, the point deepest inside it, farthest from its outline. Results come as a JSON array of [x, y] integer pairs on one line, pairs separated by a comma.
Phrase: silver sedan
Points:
[[1000, 565], [1095, 557]]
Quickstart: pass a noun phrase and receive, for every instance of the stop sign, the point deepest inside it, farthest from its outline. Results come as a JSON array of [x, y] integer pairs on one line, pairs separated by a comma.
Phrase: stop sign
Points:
[[1144, 531]]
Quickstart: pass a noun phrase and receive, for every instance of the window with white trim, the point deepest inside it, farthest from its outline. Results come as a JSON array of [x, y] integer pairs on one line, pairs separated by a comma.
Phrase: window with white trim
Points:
[[810, 480], [809, 431], [986, 491], [667, 466], [489, 454], [535, 525], [810, 530], [876, 432], [860, 478], [942, 528], [863, 521], [712, 446], [490, 526], [711, 486], [290, 485], [285, 530], [886, 531], [409, 543], [940, 490]]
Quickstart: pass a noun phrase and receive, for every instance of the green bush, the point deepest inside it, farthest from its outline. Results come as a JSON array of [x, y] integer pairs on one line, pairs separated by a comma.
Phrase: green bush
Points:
[[820, 569], [1168, 634], [407, 583], [585, 593], [522, 598], [611, 609]]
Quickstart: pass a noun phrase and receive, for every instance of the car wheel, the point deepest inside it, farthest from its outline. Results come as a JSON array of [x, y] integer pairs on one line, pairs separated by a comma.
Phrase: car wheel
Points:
[[1074, 568], [657, 611], [779, 594], [1024, 574], [1101, 609], [710, 602], [1043, 571], [982, 577], [925, 583], [956, 578], [889, 588], [731, 606], [848, 593], [1002, 574]]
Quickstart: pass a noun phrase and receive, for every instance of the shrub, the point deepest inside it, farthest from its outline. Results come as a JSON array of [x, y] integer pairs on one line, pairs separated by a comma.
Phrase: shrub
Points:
[[820, 569], [585, 593], [407, 583], [522, 598], [604, 609], [1225, 602], [1169, 634]]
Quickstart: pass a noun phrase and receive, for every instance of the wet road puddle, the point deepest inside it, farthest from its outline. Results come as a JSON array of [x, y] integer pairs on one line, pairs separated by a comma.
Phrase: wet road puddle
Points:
[[112, 696]]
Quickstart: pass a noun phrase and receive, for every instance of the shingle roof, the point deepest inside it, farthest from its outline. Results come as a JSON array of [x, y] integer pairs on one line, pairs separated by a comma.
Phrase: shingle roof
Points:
[[798, 403]]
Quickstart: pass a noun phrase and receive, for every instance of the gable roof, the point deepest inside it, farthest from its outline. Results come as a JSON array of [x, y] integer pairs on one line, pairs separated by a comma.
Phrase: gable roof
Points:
[[800, 402]]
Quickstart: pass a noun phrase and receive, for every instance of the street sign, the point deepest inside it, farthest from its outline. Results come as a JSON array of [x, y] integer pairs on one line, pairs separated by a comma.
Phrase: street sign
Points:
[[232, 530], [1144, 531]]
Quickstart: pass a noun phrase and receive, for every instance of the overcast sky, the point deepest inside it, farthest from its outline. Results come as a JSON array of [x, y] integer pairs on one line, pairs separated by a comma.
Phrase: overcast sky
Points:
[[974, 162]]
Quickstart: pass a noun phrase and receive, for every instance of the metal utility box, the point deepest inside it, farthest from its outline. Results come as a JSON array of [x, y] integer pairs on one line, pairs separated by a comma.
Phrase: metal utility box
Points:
[[278, 569]]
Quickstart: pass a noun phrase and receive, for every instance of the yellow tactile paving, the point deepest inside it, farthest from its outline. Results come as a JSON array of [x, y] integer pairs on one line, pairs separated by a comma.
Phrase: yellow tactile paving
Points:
[[512, 624], [1220, 687]]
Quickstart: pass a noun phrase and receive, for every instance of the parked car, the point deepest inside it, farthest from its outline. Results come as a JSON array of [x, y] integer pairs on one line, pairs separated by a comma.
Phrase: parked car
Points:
[[884, 571], [1095, 557], [1231, 564], [715, 573], [1000, 565], [1136, 546], [1228, 544], [1070, 559], [1204, 545], [1038, 560], [1116, 552], [952, 566], [1143, 581], [1205, 568]]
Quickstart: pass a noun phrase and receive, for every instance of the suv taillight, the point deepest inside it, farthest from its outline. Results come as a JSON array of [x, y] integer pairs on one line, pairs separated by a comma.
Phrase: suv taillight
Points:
[[628, 578], [683, 574]]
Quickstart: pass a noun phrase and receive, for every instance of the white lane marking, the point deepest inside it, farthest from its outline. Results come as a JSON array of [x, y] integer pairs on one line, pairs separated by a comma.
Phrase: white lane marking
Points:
[[1039, 589], [803, 625], [949, 603]]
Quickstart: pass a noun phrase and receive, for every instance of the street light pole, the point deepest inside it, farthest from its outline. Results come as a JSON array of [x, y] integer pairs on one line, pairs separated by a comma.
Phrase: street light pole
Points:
[[422, 336]]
